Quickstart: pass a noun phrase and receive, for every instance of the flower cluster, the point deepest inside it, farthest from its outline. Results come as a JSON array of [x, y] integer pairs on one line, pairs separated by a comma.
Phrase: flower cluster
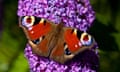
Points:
[[74, 13], [84, 62]]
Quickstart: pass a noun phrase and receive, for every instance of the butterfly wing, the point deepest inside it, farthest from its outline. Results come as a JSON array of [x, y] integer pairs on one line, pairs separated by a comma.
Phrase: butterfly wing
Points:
[[70, 43], [78, 41], [38, 32]]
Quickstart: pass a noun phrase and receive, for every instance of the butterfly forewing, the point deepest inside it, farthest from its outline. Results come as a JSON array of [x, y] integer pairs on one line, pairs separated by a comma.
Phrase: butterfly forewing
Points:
[[40, 32]]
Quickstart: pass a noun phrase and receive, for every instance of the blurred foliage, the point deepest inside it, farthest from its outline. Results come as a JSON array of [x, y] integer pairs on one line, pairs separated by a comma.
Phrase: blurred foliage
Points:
[[105, 29]]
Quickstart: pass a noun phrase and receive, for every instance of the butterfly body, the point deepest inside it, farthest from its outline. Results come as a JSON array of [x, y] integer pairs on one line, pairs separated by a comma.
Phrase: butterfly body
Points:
[[54, 41]]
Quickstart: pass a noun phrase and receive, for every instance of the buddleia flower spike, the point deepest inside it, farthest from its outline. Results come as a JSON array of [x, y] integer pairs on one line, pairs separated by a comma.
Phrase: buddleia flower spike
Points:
[[74, 13]]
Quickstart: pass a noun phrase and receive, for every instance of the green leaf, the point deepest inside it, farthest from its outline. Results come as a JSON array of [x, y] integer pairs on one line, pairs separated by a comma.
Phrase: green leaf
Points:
[[20, 64]]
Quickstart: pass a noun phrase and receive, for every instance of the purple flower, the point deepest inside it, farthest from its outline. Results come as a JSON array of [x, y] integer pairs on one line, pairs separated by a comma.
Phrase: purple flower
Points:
[[74, 13], [86, 61]]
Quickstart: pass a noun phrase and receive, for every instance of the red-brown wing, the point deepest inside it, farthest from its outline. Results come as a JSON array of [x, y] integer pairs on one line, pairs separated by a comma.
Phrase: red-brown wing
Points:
[[78, 41], [37, 31], [69, 44]]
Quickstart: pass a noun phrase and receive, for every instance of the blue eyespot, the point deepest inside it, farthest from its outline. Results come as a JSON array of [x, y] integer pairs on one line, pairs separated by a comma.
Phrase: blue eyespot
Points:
[[28, 21], [86, 39]]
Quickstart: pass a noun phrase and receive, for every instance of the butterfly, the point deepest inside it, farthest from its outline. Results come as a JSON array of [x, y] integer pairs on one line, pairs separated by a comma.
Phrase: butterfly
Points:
[[55, 41]]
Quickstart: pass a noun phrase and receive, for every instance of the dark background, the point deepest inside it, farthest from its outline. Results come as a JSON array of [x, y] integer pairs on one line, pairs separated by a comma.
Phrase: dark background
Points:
[[105, 29]]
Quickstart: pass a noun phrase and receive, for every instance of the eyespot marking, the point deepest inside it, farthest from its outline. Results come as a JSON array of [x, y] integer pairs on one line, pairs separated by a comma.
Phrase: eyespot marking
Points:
[[36, 41], [28, 21], [86, 39], [66, 49]]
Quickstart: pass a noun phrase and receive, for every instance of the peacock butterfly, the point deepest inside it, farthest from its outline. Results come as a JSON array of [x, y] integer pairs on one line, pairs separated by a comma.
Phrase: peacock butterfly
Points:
[[54, 41]]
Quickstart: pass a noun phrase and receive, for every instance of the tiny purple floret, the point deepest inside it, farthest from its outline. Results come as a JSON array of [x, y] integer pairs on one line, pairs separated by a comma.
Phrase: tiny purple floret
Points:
[[74, 13]]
